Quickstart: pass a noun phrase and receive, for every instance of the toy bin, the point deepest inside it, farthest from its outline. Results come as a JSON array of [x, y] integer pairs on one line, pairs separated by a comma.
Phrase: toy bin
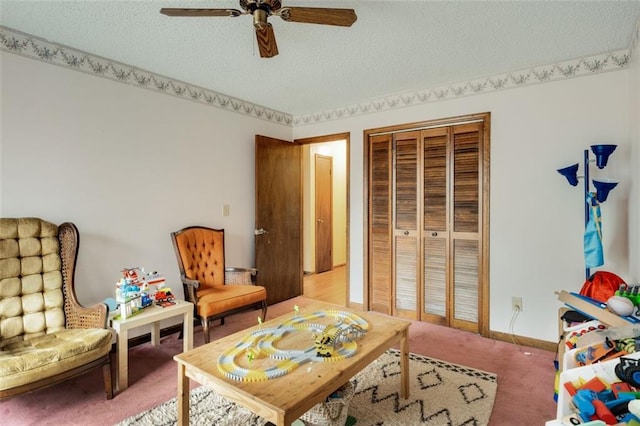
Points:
[[332, 412], [603, 370]]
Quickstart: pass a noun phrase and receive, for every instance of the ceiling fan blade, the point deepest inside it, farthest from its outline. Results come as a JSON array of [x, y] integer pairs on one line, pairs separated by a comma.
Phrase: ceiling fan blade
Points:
[[199, 12], [266, 41], [319, 15]]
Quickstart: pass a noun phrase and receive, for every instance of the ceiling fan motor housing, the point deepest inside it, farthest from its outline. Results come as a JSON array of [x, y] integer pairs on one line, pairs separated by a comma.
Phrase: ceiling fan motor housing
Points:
[[260, 18]]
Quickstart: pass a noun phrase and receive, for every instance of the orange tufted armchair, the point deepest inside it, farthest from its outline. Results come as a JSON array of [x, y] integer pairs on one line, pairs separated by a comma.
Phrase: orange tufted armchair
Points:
[[215, 290], [46, 336]]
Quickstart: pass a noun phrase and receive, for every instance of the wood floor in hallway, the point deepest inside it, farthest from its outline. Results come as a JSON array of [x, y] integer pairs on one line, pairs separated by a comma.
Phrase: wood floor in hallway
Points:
[[329, 286]]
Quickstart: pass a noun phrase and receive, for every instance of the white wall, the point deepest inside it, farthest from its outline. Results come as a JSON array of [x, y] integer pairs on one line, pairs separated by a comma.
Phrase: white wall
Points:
[[126, 165], [338, 150], [536, 220]]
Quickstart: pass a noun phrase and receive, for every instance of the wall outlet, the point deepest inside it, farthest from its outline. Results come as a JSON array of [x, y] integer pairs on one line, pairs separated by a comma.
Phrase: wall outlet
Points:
[[516, 303]]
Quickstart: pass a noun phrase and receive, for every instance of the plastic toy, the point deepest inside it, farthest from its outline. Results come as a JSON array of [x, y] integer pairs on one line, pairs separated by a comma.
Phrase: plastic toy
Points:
[[599, 352], [133, 276], [134, 291], [620, 305], [631, 292], [137, 276], [164, 295], [266, 361], [612, 403], [154, 278], [628, 370], [572, 339], [331, 335], [600, 405]]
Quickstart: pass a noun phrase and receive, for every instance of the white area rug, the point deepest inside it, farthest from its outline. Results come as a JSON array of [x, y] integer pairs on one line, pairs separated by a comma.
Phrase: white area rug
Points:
[[441, 394]]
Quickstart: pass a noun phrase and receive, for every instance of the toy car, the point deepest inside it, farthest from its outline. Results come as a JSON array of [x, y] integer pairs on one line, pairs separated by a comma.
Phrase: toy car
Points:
[[164, 295]]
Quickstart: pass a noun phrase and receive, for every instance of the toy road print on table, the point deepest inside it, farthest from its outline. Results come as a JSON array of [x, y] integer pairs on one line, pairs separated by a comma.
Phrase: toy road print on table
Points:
[[272, 352]]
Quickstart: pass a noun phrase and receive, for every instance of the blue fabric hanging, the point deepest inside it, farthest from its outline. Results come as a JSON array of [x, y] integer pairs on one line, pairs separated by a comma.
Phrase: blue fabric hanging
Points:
[[593, 253]]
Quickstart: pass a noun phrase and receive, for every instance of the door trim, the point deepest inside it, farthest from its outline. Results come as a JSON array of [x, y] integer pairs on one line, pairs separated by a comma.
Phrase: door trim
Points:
[[346, 136]]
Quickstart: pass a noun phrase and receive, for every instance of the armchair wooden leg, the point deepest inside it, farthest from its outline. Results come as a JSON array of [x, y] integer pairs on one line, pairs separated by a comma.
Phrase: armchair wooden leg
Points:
[[264, 310], [205, 329], [107, 375]]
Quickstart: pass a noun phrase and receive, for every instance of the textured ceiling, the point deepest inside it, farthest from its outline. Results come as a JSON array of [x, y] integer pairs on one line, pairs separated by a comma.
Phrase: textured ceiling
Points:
[[394, 47]]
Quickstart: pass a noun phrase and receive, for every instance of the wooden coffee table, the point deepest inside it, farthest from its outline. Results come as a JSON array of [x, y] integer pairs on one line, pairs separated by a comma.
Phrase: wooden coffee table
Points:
[[284, 399]]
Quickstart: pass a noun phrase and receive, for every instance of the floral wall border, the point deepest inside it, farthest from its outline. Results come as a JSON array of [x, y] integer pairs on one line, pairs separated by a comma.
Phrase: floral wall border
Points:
[[23, 44], [605, 62], [612, 61], [33, 47]]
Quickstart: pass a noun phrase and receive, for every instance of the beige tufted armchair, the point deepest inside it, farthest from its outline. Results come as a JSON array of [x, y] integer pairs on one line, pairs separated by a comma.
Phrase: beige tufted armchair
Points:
[[46, 336], [215, 290]]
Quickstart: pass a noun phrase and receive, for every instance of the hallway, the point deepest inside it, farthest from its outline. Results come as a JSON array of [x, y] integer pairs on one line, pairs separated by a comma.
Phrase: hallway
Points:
[[327, 286]]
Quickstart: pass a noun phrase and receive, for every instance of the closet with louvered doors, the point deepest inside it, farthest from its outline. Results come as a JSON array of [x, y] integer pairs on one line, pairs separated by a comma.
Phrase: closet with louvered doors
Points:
[[428, 222]]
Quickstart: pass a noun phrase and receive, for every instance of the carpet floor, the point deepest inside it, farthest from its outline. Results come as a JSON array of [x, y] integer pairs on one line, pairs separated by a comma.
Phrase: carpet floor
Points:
[[524, 397], [441, 394]]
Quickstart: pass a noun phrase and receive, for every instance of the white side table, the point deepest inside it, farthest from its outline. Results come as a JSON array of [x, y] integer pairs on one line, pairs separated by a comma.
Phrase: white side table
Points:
[[151, 315]]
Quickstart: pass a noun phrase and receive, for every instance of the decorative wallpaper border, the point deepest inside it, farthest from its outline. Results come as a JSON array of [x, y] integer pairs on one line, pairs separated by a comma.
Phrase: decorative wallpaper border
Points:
[[584, 66], [36, 48]]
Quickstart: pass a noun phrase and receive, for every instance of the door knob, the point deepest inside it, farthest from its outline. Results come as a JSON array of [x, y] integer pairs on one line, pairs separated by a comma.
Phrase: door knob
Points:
[[434, 234], [260, 231]]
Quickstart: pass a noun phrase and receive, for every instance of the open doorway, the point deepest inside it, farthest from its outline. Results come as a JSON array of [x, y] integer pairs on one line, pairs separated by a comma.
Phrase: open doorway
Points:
[[325, 217]]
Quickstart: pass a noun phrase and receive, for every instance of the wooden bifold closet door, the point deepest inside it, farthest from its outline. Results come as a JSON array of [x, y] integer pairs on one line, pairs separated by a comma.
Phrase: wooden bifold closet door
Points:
[[427, 223]]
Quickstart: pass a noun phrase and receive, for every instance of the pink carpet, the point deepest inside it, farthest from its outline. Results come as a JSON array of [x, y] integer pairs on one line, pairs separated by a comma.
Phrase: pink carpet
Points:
[[525, 377]]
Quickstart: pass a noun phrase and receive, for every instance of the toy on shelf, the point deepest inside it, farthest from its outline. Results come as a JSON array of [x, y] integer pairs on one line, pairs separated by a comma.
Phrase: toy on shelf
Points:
[[577, 331], [599, 352], [620, 305], [631, 292], [137, 276], [595, 309], [597, 399], [136, 290], [164, 297]]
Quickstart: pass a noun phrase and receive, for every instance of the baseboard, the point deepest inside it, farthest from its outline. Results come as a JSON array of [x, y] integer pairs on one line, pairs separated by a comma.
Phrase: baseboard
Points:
[[355, 306], [525, 341], [495, 335]]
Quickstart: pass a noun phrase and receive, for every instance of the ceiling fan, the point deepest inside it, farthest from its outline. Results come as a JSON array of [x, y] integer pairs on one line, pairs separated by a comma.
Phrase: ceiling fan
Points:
[[262, 9]]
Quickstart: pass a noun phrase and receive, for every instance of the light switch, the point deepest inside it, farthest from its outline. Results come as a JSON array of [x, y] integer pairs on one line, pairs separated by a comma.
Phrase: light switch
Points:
[[225, 210]]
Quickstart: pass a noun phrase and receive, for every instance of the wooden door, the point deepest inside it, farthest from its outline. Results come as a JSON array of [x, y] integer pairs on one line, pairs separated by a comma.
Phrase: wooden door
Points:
[[452, 226], [427, 238], [436, 276], [406, 225], [465, 227], [278, 223], [379, 219], [324, 212]]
